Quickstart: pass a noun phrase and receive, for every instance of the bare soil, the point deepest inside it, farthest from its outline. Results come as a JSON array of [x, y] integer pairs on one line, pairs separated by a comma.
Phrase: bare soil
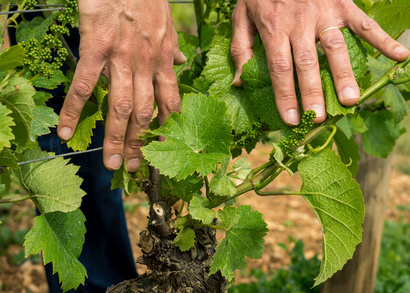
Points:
[[285, 215]]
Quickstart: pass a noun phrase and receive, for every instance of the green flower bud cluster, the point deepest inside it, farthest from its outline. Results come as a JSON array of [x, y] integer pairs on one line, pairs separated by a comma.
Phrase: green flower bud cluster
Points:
[[250, 134], [297, 134], [71, 10], [225, 8], [60, 29], [30, 4]]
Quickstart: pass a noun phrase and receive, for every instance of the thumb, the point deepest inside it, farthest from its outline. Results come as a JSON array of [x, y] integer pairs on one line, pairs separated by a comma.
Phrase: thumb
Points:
[[243, 39]]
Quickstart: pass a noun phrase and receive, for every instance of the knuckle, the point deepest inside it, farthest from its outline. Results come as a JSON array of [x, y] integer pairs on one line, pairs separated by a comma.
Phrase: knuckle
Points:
[[116, 140], [280, 65], [82, 90], [143, 118], [343, 74], [386, 41], [273, 22], [313, 92], [306, 59], [334, 42], [172, 104], [369, 24], [123, 108], [236, 51], [287, 97]]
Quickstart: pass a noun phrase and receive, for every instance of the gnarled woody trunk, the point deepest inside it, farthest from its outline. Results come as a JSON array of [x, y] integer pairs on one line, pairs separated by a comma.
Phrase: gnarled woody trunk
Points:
[[169, 269]]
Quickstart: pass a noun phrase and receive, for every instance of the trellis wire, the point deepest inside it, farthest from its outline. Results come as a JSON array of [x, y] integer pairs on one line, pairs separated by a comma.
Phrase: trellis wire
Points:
[[56, 156]]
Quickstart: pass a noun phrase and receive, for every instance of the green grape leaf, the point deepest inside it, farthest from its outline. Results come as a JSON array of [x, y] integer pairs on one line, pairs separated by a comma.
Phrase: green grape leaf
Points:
[[348, 150], [196, 140], [245, 230], [398, 106], [378, 68], [5, 182], [36, 29], [239, 106], [219, 66], [125, 180], [344, 126], [52, 82], [338, 203], [43, 118], [201, 84], [357, 53], [220, 70], [51, 184], [185, 239], [6, 122], [392, 16], [60, 236], [18, 97], [82, 136], [206, 36], [357, 124], [242, 168], [381, 137], [8, 159], [258, 86], [199, 211], [12, 57], [40, 98], [333, 105], [221, 184], [188, 45], [183, 189]]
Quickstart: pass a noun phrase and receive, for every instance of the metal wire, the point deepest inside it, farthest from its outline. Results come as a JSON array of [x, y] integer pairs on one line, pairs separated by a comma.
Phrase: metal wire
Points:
[[32, 10], [56, 156]]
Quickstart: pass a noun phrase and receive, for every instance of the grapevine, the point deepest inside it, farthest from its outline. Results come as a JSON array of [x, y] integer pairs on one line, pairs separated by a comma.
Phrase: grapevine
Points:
[[198, 165]]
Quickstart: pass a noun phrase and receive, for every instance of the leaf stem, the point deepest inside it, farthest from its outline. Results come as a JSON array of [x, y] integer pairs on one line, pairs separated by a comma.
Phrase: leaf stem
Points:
[[387, 78], [14, 199], [211, 226]]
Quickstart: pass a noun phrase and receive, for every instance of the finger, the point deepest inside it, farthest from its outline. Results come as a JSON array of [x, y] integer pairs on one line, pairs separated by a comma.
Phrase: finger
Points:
[[335, 48], [120, 106], [243, 39], [307, 69], [166, 95], [85, 78], [371, 32], [139, 121], [179, 58], [279, 60]]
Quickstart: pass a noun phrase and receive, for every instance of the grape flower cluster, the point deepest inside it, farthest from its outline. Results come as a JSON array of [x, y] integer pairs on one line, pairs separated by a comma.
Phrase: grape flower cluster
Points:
[[298, 133], [43, 56], [250, 134], [225, 7]]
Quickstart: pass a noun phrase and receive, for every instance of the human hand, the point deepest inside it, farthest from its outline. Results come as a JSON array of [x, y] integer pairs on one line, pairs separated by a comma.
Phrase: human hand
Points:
[[294, 26], [135, 46]]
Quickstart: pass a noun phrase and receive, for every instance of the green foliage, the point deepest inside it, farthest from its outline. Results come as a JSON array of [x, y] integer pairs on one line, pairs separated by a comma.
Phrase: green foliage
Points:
[[61, 192], [199, 211], [392, 15], [297, 278], [338, 204], [185, 239], [245, 230], [197, 139], [60, 236], [393, 273]]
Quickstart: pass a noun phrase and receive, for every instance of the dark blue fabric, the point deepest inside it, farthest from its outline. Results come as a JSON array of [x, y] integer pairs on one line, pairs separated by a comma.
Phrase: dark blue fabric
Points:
[[106, 254]]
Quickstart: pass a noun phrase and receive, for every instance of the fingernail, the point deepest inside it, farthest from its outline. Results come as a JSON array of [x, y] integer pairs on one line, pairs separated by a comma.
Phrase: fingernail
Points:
[[133, 164], [115, 161], [319, 110], [400, 50], [65, 133], [237, 79], [292, 117], [349, 94]]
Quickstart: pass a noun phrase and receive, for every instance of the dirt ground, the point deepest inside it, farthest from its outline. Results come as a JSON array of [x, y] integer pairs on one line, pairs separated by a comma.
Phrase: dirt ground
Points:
[[285, 215]]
